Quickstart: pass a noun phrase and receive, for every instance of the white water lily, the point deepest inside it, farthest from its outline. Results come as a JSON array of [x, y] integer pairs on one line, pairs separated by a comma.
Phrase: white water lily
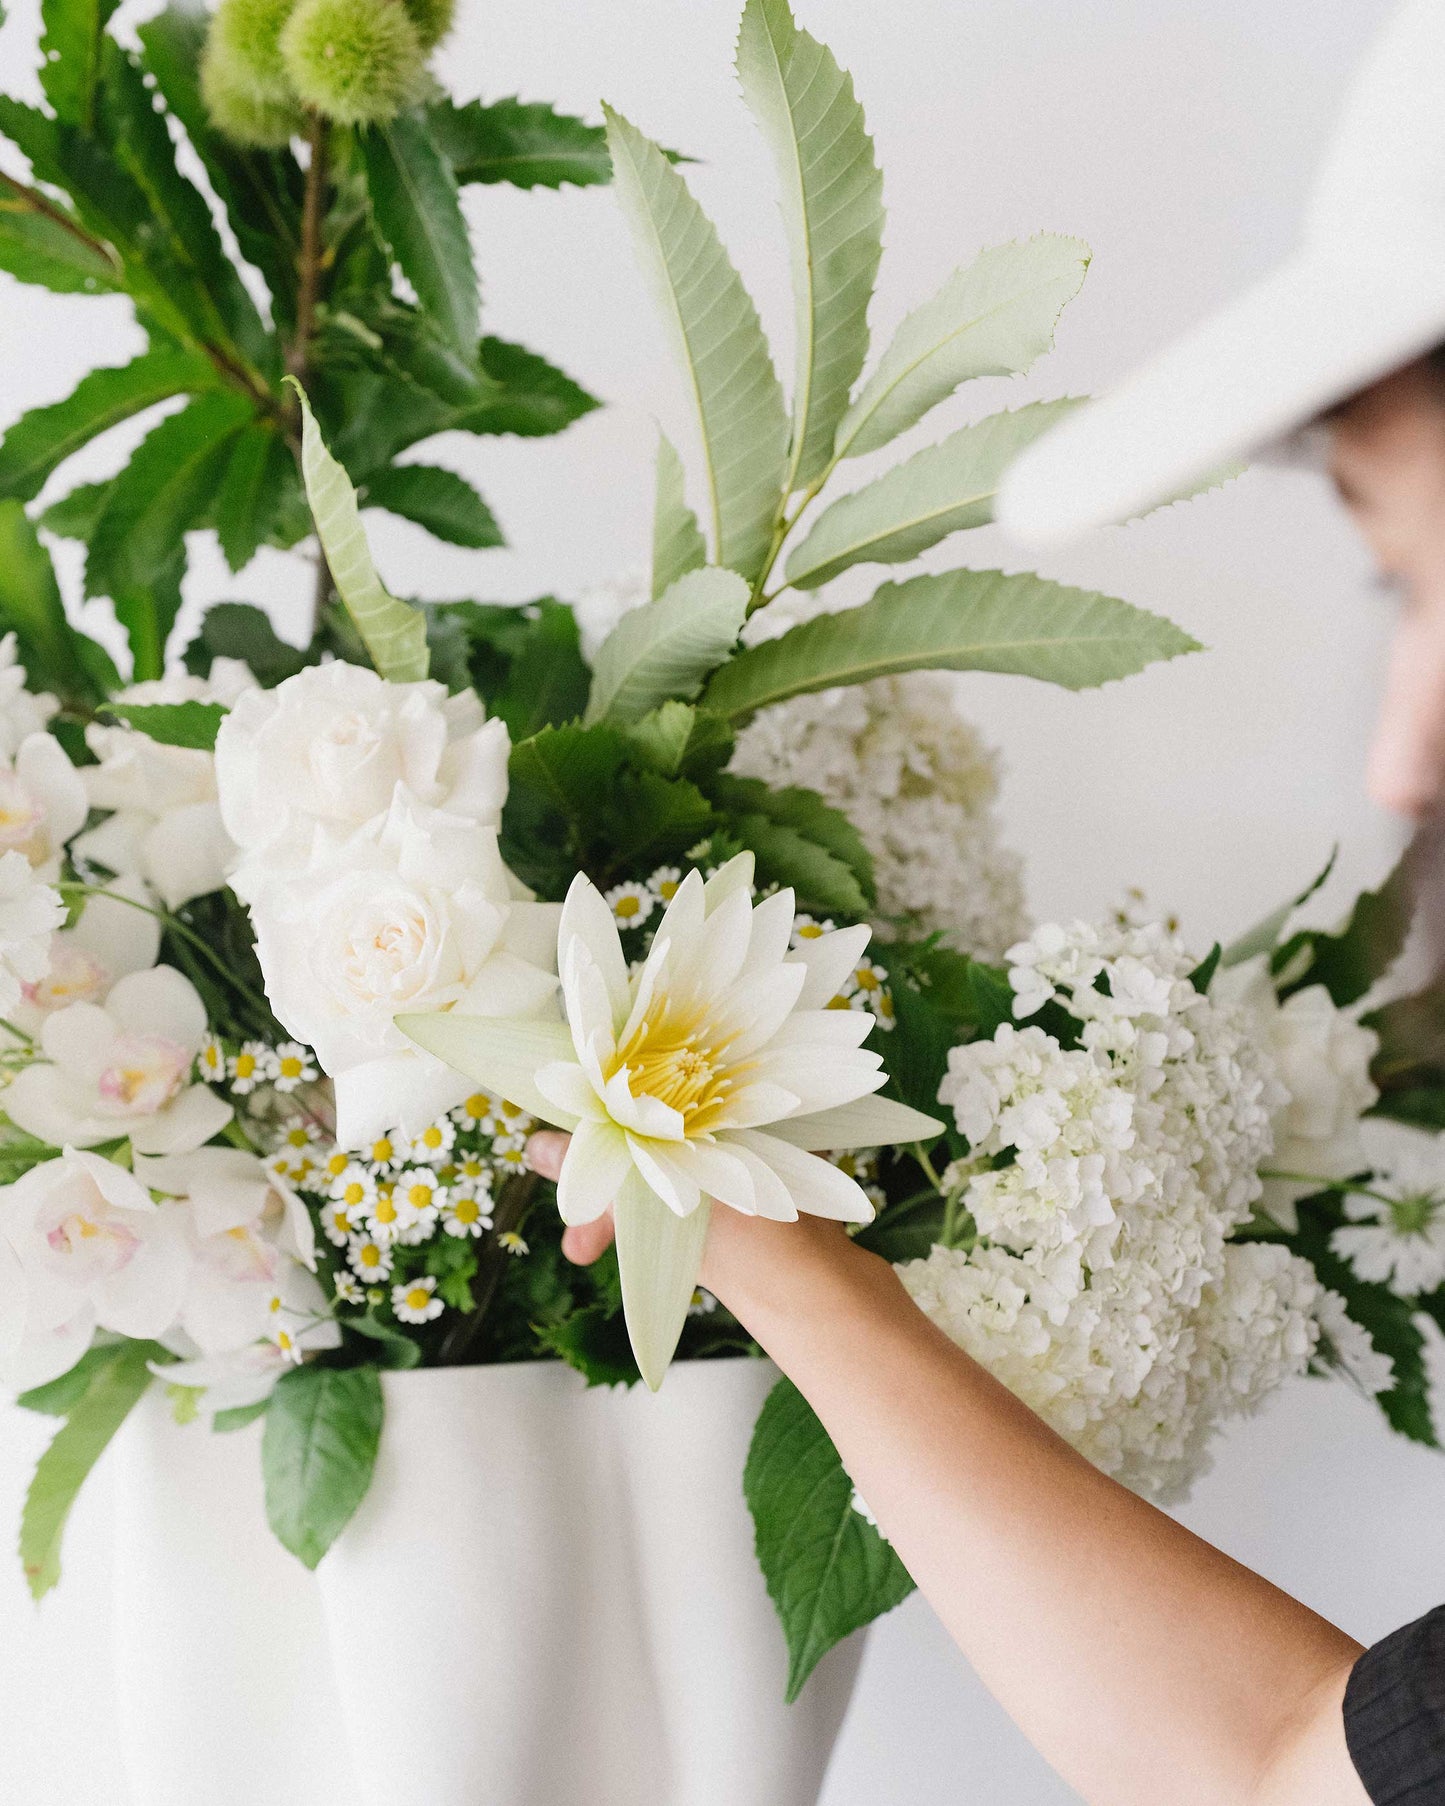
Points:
[[714, 1072], [122, 1070]]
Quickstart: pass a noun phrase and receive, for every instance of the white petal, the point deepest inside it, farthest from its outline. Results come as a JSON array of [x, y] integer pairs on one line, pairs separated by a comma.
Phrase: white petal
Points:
[[756, 1007], [188, 853], [506, 985], [161, 1001], [593, 1172], [754, 1104], [659, 1256], [814, 1185], [500, 1054], [675, 1186], [642, 1115], [586, 918], [565, 1084], [144, 1298], [184, 1124], [113, 931], [773, 1199], [79, 1038], [40, 1100], [829, 959], [869, 1122], [715, 1168], [772, 929], [736, 875], [531, 933], [821, 1083]]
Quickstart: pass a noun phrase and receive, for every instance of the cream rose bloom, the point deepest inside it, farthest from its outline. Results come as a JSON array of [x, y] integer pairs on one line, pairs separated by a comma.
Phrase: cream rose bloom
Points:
[[415, 914], [324, 754]]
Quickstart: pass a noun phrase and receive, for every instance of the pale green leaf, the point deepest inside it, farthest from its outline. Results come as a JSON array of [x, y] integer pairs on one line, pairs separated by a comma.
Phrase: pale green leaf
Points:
[[318, 1452], [832, 196], [958, 621], [659, 1256], [677, 542], [417, 211], [942, 489], [991, 319], [668, 647], [720, 341], [498, 1053], [394, 633]]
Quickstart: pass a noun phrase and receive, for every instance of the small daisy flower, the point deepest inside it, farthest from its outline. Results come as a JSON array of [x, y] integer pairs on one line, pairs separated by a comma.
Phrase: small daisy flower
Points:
[[703, 1303], [631, 904], [435, 1142], [354, 1185], [301, 1137], [211, 1061], [416, 1300], [292, 1065], [341, 1223], [384, 1212], [335, 1164], [370, 1258], [507, 1118], [287, 1343], [386, 1150], [419, 1197], [511, 1158], [472, 1173], [250, 1066], [664, 882], [347, 1290], [464, 1215], [507, 1144], [512, 1242], [809, 928], [476, 1111]]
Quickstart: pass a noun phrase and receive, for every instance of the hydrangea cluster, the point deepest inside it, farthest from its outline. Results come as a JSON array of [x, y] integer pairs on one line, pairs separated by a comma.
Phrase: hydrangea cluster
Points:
[[1110, 1162], [920, 786]]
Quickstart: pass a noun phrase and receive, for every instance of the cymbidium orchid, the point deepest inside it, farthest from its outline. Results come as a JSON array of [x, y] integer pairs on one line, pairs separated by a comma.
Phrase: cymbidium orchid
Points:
[[714, 1072]]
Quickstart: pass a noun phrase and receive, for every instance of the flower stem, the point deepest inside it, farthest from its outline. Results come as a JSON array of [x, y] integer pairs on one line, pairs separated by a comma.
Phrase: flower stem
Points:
[[513, 1204]]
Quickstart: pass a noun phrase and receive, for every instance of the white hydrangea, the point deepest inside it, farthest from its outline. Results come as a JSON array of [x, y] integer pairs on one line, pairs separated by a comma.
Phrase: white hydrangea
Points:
[[1103, 1289], [919, 785]]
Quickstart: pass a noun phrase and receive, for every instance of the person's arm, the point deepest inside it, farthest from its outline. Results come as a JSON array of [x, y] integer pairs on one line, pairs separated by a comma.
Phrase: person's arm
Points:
[[1147, 1667]]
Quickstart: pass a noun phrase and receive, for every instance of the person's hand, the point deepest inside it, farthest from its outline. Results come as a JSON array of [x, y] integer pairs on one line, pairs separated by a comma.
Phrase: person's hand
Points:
[[583, 1242]]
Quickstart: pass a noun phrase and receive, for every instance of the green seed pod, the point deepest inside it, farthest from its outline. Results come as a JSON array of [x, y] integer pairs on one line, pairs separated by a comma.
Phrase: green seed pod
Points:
[[237, 110], [246, 36], [358, 62], [432, 19]]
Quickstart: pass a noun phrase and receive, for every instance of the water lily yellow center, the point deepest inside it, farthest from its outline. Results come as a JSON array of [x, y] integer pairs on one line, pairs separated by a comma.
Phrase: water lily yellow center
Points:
[[676, 1063]]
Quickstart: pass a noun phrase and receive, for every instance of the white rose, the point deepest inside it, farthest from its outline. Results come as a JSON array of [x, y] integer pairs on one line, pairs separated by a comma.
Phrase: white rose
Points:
[[325, 753], [417, 913]]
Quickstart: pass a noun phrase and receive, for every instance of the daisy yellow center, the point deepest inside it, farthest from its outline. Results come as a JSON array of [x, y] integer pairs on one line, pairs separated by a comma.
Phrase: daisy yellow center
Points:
[[419, 1297], [354, 1194], [290, 1066], [382, 1151], [419, 1196], [432, 1137], [627, 907], [245, 1065], [466, 1210], [385, 1211]]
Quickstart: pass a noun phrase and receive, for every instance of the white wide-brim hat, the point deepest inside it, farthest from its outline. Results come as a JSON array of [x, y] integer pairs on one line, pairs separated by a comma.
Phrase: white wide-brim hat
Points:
[[1362, 295]]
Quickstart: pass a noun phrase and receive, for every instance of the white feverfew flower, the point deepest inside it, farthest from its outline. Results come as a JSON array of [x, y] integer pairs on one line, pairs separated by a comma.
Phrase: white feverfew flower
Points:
[[122, 1069], [919, 786], [30, 915], [664, 881], [326, 753], [630, 903], [291, 1065], [1347, 1347], [434, 1142], [420, 1197], [370, 1258], [466, 1213], [347, 1290], [417, 914], [416, 1301], [342, 1221], [22, 712], [211, 1061], [249, 1067]]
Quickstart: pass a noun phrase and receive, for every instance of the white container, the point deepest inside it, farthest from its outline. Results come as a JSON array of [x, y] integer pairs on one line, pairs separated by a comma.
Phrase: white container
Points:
[[548, 1598]]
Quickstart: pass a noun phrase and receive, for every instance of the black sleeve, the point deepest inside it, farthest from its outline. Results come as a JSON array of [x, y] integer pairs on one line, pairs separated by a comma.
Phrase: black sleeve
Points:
[[1395, 1715]]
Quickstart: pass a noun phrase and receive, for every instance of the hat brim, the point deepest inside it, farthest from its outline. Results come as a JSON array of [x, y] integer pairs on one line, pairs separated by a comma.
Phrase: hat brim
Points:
[[1311, 334]]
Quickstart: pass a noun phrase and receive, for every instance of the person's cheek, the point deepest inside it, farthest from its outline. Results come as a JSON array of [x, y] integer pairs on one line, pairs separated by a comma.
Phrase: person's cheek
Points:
[[1407, 760]]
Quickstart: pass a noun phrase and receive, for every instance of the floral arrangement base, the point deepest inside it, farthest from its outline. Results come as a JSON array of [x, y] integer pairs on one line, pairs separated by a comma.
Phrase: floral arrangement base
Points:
[[549, 1594]]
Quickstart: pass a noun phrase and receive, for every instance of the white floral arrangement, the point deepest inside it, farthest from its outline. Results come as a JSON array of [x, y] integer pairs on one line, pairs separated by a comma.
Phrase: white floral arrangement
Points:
[[298, 946]]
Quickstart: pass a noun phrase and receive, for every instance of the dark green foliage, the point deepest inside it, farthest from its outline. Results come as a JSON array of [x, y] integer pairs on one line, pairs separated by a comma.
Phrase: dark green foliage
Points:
[[237, 630], [1347, 964], [323, 1429], [193, 724]]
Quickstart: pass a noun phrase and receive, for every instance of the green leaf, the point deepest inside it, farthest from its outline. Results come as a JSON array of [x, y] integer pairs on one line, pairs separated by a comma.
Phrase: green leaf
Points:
[[548, 680], [239, 630], [594, 1341], [394, 633], [805, 812], [529, 396], [527, 143], [417, 211], [832, 196], [1264, 936], [958, 621], [678, 740], [678, 546], [70, 51], [720, 341], [822, 881], [323, 1429], [223, 1423], [827, 1569], [942, 489], [74, 516], [44, 438], [667, 648], [399, 1352], [30, 604], [437, 499], [168, 488], [1203, 974], [650, 816], [1349, 963], [47, 250], [114, 1387], [148, 613], [260, 471], [58, 1397], [991, 319], [194, 724], [1412, 1040]]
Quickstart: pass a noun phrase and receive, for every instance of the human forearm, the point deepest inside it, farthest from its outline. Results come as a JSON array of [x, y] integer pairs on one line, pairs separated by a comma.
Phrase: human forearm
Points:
[[1146, 1665]]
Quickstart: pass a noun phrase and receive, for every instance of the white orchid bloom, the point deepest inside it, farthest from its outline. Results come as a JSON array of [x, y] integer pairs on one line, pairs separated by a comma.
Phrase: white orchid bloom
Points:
[[715, 1072], [30, 915], [83, 1246], [42, 803], [122, 1069], [111, 938], [22, 712]]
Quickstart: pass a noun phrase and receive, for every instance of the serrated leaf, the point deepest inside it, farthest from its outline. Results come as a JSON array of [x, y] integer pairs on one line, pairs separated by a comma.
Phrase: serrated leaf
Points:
[[957, 621], [47, 250], [439, 500], [594, 1341], [70, 47], [1264, 936], [318, 1452], [530, 397], [194, 724], [417, 211], [74, 515], [785, 856], [828, 1571], [393, 632], [30, 603], [259, 471], [805, 812], [167, 488], [650, 816], [991, 319], [832, 198], [720, 342], [549, 680], [527, 143], [667, 648], [114, 1387], [240, 630], [1349, 963], [41, 440], [677, 542], [943, 489]]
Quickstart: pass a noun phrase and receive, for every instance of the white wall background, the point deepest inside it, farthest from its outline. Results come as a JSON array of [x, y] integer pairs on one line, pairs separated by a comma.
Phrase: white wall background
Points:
[[1177, 138]]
